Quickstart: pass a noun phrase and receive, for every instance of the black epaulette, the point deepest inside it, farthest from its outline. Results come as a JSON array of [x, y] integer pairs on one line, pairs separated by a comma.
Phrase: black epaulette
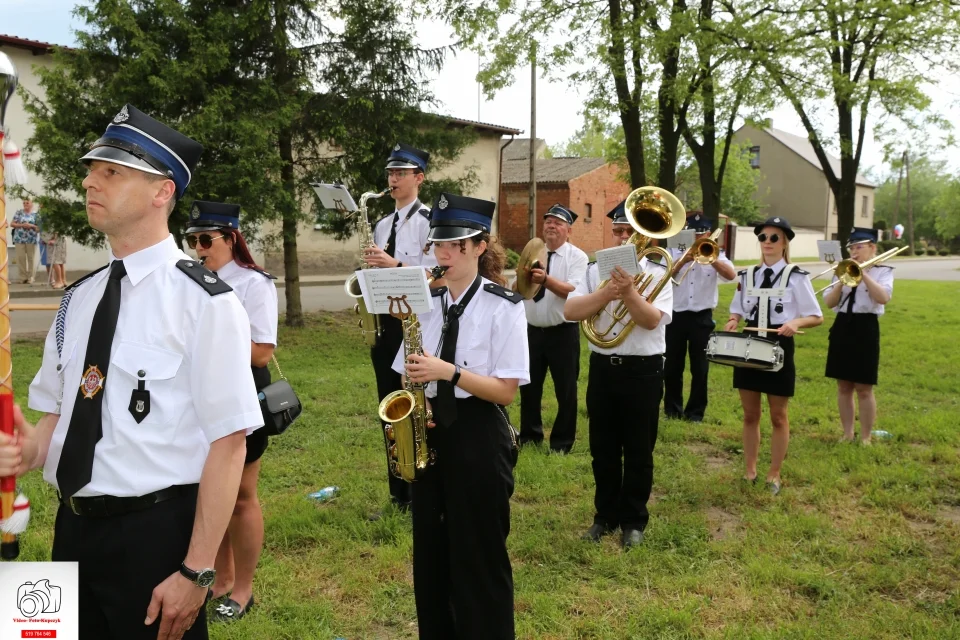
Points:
[[742, 272], [591, 262], [203, 277], [657, 264], [85, 278], [425, 213], [503, 292], [263, 273], [438, 291], [876, 266], [797, 270]]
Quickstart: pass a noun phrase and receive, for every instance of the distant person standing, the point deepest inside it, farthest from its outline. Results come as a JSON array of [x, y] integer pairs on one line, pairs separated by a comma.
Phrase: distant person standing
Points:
[[58, 261], [26, 227]]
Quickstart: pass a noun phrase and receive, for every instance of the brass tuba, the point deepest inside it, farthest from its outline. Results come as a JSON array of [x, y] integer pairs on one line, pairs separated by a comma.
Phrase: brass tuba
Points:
[[654, 213], [369, 323], [405, 411], [705, 251], [849, 272]]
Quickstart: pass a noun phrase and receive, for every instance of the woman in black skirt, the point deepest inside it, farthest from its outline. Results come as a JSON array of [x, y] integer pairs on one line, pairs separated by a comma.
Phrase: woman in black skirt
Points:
[[475, 358], [214, 233], [792, 308], [853, 357]]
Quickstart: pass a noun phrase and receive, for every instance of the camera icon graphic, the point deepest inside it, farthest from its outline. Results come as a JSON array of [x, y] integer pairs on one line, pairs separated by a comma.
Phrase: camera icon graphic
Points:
[[34, 598]]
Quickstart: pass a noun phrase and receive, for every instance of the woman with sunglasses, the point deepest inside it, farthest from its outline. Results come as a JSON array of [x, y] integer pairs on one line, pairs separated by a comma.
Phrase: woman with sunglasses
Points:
[[795, 308], [214, 233], [853, 357], [477, 335]]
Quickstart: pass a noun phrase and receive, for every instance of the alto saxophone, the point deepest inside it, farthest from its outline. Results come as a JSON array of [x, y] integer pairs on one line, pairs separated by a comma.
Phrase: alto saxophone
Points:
[[369, 323], [405, 411]]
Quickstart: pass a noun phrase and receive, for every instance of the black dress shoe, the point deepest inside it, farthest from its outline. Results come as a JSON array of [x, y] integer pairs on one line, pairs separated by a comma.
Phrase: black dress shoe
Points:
[[631, 538], [596, 531]]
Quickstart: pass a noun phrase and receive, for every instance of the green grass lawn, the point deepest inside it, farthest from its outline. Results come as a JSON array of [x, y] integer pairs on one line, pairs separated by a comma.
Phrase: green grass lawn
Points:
[[861, 543]]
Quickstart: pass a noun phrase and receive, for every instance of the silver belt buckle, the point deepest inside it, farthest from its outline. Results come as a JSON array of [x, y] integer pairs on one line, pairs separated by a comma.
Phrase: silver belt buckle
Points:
[[616, 360], [71, 502]]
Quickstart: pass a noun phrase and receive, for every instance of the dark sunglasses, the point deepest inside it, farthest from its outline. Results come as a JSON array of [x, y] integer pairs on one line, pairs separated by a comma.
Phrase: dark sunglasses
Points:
[[206, 240], [774, 238]]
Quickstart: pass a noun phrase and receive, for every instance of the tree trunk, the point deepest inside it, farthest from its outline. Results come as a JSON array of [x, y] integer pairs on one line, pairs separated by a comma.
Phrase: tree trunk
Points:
[[845, 191], [291, 263], [628, 104], [667, 116]]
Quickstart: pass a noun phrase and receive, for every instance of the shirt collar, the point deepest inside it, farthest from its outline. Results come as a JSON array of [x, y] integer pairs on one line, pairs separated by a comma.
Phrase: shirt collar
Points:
[[403, 212], [228, 269], [142, 263], [561, 250], [777, 268]]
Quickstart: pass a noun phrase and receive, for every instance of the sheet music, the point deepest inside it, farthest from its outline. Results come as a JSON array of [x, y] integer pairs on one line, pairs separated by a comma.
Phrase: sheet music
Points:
[[624, 256], [829, 251], [682, 240], [403, 288], [334, 196]]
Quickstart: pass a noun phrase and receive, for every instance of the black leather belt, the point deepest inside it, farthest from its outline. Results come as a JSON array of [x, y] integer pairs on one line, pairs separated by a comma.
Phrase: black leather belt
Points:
[[104, 506], [621, 360]]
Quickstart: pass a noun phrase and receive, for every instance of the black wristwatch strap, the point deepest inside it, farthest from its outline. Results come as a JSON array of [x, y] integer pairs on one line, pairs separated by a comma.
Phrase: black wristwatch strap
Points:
[[456, 375], [399, 264], [189, 573]]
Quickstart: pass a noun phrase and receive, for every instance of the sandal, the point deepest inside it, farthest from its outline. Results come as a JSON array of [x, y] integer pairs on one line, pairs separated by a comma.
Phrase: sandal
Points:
[[230, 610], [774, 486]]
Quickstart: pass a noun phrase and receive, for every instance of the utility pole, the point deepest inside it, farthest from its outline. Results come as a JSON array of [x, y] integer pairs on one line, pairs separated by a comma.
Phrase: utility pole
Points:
[[533, 142], [896, 209], [906, 162]]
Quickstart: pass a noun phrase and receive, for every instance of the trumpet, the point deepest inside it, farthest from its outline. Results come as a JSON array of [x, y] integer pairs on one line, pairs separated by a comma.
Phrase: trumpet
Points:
[[369, 323], [705, 251], [654, 213], [850, 273]]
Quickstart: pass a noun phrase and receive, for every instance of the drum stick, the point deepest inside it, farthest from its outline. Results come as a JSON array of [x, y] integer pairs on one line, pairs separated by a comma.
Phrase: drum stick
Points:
[[14, 306], [768, 330]]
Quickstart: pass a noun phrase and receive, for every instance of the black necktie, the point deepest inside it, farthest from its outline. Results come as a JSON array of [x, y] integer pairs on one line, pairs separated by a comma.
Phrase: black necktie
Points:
[[543, 287], [446, 398], [850, 298], [767, 279], [392, 240], [76, 460]]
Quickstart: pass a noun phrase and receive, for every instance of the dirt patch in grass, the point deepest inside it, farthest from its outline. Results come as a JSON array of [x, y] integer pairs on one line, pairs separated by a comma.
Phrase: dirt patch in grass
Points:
[[713, 458], [721, 523], [950, 513]]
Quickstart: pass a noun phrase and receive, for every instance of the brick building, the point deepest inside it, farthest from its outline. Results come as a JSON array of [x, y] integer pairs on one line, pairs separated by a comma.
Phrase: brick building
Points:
[[590, 187]]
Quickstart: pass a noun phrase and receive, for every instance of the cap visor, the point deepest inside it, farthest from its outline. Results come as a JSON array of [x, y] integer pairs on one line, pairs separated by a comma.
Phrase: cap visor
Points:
[[850, 243], [557, 215], [401, 164], [200, 226], [444, 234], [114, 155]]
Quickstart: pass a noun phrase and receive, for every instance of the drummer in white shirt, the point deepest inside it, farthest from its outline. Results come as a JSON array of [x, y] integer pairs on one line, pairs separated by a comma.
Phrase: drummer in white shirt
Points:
[[796, 309], [694, 300]]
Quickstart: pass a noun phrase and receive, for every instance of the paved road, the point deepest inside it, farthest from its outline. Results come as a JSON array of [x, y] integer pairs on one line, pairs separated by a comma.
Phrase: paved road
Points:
[[333, 298]]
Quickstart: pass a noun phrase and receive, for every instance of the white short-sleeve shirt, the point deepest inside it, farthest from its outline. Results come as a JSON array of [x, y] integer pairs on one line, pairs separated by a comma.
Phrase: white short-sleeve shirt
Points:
[[192, 352], [798, 301], [640, 341], [862, 302], [492, 340], [412, 229], [568, 264], [258, 295], [698, 291]]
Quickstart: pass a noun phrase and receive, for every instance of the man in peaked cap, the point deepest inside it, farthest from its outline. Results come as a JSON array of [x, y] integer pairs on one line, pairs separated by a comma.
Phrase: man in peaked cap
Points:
[[554, 342], [694, 300], [401, 239], [146, 393]]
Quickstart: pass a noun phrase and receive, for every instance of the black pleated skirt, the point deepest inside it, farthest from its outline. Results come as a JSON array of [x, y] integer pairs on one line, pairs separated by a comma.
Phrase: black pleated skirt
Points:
[[854, 351], [774, 383]]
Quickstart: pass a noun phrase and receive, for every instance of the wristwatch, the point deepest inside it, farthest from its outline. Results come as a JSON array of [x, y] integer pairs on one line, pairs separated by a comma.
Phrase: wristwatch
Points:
[[203, 578]]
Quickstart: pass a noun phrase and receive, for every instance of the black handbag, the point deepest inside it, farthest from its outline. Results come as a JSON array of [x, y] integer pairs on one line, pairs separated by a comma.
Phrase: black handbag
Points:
[[279, 404]]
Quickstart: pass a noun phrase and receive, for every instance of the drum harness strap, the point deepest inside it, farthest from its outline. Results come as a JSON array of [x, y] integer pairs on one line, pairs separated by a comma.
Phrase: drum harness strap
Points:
[[750, 278]]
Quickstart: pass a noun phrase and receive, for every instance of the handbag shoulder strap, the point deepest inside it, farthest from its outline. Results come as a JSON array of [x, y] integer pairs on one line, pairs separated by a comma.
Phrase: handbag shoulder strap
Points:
[[277, 365]]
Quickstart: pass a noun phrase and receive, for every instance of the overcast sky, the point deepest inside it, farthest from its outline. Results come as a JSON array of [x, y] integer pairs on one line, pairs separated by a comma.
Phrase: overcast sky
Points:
[[558, 106]]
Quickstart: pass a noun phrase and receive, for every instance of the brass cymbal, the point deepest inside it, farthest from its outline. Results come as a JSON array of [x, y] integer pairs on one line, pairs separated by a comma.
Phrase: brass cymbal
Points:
[[533, 256]]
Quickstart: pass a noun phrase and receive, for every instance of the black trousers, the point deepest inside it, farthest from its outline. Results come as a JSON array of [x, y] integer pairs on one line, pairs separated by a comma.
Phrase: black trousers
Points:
[[462, 579], [121, 559], [556, 348], [688, 330], [623, 400], [388, 381]]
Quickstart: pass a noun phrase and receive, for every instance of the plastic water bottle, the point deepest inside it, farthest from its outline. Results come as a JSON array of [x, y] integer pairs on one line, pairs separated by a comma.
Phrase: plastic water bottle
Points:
[[881, 434], [325, 494]]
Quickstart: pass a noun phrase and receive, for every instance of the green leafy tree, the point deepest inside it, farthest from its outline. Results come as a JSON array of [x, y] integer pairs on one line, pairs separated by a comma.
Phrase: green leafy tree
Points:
[[863, 58], [931, 187]]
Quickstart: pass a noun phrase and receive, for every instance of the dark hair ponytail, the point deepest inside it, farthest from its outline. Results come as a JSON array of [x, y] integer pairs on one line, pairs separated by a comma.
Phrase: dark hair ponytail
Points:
[[241, 252]]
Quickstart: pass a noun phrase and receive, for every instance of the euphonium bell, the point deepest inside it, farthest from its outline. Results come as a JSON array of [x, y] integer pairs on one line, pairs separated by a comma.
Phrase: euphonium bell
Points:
[[654, 213]]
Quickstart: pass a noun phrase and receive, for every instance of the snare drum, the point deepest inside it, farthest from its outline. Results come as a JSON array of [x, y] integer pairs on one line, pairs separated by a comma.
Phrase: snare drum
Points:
[[744, 350]]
